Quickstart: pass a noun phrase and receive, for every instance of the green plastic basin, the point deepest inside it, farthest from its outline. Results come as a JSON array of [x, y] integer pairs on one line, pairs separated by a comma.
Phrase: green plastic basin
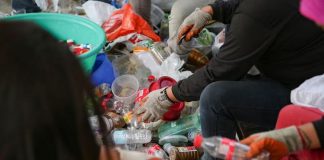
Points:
[[64, 26]]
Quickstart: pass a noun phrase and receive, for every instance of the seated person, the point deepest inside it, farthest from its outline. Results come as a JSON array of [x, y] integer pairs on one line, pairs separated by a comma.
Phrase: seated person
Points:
[[43, 93], [300, 130]]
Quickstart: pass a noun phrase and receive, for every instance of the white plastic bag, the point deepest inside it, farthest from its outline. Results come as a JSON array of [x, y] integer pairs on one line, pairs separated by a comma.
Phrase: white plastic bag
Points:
[[170, 67], [97, 11], [310, 93]]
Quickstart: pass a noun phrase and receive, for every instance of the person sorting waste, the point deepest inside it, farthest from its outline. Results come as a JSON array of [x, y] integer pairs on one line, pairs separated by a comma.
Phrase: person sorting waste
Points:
[[285, 46]]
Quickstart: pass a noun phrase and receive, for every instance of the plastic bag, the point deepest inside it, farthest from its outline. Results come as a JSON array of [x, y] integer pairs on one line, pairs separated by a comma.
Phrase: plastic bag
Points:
[[97, 11], [310, 93], [124, 22], [170, 67]]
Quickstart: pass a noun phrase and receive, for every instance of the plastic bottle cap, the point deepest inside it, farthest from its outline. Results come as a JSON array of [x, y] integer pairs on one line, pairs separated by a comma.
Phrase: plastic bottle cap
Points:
[[198, 140]]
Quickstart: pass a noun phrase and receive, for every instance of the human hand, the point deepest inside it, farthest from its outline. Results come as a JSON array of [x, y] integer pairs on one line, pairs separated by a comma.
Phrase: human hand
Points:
[[278, 143], [155, 104], [194, 23]]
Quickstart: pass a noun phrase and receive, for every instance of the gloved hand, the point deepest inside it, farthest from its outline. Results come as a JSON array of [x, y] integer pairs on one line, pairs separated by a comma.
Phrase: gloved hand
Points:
[[193, 24], [155, 104], [278, 143]]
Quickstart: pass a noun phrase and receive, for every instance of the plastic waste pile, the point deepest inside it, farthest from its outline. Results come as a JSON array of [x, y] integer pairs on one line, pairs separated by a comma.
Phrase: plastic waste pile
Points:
[[137, 60]]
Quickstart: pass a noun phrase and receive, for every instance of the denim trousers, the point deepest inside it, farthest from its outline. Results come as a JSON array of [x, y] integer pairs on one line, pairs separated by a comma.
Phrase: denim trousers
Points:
[[255, 101]]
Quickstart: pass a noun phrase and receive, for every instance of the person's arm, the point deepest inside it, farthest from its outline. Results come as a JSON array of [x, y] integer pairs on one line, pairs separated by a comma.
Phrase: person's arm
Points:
[[280, 143], [222, 11], [246, 40], [319, 127], [197, 20]]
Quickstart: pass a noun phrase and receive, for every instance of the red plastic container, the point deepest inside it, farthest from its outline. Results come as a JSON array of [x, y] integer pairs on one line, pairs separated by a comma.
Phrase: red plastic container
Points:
[[175, 110]]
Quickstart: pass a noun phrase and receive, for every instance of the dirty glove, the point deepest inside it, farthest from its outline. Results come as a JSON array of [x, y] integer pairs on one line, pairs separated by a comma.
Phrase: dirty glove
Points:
[[278, 143], [155, 105], [193, 24]]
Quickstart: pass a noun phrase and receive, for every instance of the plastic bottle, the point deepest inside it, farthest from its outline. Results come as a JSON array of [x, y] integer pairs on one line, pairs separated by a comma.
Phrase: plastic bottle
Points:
[[192, 134], [224, 148], [181, 126], [164, 31], [94, 123], [168, 147], [140, 136], [184, 153], [157, 151]]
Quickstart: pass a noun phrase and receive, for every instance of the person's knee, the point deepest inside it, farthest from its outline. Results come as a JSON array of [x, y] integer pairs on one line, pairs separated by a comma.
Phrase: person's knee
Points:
[[214, 95]]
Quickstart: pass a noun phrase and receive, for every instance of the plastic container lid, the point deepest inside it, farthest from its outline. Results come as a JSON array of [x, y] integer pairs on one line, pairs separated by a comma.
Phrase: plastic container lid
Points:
[[198, 140], [175, 140]]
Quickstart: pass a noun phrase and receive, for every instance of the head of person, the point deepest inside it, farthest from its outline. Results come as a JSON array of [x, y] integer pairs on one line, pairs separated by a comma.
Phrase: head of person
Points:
[[314, 10], [43, 94]]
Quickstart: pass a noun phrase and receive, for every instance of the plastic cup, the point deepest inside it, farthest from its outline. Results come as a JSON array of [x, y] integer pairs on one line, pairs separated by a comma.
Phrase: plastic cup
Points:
[[125, 88]]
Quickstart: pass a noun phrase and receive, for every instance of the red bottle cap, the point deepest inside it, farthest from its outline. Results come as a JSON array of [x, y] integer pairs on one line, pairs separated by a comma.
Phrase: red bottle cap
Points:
[[198, 140]]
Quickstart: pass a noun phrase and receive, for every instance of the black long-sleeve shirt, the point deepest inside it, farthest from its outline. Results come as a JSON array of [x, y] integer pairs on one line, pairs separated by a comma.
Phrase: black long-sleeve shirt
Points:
[[270, 34]]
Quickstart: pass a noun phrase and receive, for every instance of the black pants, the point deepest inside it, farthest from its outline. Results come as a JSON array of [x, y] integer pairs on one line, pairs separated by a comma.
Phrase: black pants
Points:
[[224, 103]]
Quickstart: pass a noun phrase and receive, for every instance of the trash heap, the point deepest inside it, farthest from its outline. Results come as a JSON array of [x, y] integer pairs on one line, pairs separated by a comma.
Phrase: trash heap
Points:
[[136, 61], [142, 62]]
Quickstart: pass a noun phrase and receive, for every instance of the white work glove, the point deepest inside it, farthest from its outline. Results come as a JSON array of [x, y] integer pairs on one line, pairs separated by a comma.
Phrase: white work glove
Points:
[[193, 24], [278, 143], [155, 104]]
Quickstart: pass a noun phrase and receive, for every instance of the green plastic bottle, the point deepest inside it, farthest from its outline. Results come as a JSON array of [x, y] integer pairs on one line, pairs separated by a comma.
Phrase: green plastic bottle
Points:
[[181, 126]]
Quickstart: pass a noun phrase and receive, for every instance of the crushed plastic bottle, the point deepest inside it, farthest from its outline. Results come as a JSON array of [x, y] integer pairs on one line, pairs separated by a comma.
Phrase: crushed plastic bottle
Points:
[[157, 151], [140, 136], [224, 148]]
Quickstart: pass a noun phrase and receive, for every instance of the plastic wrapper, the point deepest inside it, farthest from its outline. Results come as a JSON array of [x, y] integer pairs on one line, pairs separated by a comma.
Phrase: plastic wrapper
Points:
[[149, 62], [97, 11], [124, 22]]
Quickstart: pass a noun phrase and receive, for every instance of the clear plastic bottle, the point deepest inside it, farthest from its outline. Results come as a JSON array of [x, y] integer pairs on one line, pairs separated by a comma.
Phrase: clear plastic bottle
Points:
[[139, 136], [224, 148], [168, 147]]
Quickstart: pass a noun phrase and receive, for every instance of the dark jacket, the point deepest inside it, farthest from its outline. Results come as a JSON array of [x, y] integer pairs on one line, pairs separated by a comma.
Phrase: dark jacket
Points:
[[271, 34]]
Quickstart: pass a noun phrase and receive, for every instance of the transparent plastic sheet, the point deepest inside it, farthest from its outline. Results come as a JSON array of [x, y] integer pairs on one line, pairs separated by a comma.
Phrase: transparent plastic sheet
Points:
[[130, 64]]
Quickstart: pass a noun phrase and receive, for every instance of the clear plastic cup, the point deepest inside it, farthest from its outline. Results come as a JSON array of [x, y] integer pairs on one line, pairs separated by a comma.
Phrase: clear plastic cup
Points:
[[125, 88]]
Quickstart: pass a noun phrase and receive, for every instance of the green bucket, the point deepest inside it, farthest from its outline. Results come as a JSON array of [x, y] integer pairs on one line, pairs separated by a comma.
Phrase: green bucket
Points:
[[64, 26]]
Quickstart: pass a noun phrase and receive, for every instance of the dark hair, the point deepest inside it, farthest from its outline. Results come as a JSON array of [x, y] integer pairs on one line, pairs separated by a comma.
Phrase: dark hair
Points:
[[43, 94]]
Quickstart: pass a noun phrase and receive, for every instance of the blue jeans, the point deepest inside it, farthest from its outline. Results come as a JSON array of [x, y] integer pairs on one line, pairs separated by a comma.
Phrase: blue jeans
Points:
[[224, 103]]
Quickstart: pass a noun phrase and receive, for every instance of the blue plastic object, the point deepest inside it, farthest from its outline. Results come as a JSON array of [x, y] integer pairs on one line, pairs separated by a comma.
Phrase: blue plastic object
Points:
[[103, 71]]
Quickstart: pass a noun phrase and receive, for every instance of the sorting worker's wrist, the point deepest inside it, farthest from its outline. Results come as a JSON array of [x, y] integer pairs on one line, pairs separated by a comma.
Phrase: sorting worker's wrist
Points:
[[170, 95]]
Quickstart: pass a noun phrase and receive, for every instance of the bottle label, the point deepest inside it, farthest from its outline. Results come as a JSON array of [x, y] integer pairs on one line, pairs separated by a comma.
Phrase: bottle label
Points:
[[227, 148], [119, 137], [141, 95], [153, 149], [187, 149]]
